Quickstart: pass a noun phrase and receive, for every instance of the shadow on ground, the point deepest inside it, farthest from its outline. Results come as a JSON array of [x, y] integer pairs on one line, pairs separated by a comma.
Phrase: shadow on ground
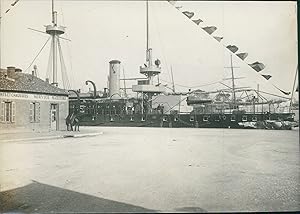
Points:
[[38, 197], [191, 210]]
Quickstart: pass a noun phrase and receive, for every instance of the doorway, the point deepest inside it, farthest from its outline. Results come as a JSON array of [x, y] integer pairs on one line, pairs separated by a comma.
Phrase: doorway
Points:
[[54, 117]]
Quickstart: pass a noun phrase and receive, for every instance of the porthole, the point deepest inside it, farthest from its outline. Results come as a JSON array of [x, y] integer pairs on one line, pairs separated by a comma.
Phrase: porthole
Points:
[[232, 118], [254, 118], [244, 118], [205, 118]]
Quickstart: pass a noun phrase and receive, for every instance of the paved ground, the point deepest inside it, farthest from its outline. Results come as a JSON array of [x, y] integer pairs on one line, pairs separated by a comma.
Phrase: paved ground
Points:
[[153, 169], [27, 135]]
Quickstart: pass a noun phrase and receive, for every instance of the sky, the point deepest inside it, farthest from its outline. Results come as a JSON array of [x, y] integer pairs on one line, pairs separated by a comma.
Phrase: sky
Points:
[[101, 31]]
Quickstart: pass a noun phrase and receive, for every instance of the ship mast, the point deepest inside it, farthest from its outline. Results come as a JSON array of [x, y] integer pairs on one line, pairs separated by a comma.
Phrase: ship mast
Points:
[[147, 27], [54, 31], [0, 33], [294, 84], [147, 88], [150, 72], [232, 79]]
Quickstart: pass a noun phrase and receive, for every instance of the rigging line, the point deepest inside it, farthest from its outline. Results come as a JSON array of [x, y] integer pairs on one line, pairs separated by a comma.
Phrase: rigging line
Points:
[[272, 94], [68, 46], [178, 103], [64, 70], [225, 85], [193, 86], [37, 55], [61, 65], [124, 81], [261, 96], [160, 40], [206, 84], [9, 10]]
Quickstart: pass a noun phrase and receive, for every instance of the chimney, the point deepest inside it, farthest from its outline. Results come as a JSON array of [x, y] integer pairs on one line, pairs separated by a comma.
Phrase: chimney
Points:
[[10, 71], [4, 71]]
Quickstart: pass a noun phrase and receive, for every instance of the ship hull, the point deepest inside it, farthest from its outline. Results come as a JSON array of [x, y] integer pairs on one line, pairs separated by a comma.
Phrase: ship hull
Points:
[[237, 121]]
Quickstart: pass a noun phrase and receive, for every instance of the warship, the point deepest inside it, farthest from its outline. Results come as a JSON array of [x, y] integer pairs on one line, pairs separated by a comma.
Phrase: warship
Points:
[[154, 105], [150, 103]]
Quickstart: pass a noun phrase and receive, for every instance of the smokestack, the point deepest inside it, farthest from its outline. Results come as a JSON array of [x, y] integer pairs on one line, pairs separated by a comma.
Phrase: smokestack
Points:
[[114, 79], [47, 80]]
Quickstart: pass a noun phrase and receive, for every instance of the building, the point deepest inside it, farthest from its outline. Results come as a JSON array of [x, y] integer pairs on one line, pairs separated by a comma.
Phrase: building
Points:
[[28, 102]]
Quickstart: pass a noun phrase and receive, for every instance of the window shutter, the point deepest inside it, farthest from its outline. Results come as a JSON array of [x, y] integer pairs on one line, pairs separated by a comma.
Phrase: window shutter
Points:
[[31, 112], [13, 115], [2, 111], [38, 111]]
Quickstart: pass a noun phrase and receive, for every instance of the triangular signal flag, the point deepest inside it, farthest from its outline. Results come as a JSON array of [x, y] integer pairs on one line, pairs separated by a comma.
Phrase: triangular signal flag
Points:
[[198, 21], [266, 76], [188, 14], [258, 66], [242, 55], [218, 38], [232, 48], [210, 29]]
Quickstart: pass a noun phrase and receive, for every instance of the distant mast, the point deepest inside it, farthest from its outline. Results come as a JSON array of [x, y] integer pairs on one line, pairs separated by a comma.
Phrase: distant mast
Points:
[[232, 79], [54, 31]]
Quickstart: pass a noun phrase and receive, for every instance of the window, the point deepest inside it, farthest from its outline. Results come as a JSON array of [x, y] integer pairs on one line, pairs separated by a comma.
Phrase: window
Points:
[[192, 118], [175, 119], [34, 112], [254, 118], [8, 111], [205, 118], [164, 118], [244, 118], [143, 119]]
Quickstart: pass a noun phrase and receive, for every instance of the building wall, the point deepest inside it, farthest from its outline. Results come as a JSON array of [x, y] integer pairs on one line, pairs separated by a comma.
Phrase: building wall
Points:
[[22, 118]]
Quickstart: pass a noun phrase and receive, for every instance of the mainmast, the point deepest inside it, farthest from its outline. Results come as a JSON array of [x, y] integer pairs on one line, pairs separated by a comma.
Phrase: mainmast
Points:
[[54, 31], [147, 25], [150, 70]]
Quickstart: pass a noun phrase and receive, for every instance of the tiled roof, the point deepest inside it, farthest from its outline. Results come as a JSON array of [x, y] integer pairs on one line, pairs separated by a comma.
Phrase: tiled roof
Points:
[[22, 82]]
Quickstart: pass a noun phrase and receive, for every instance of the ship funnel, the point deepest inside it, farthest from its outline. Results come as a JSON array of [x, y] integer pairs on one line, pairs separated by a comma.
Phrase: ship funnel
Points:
[[114, 79]]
